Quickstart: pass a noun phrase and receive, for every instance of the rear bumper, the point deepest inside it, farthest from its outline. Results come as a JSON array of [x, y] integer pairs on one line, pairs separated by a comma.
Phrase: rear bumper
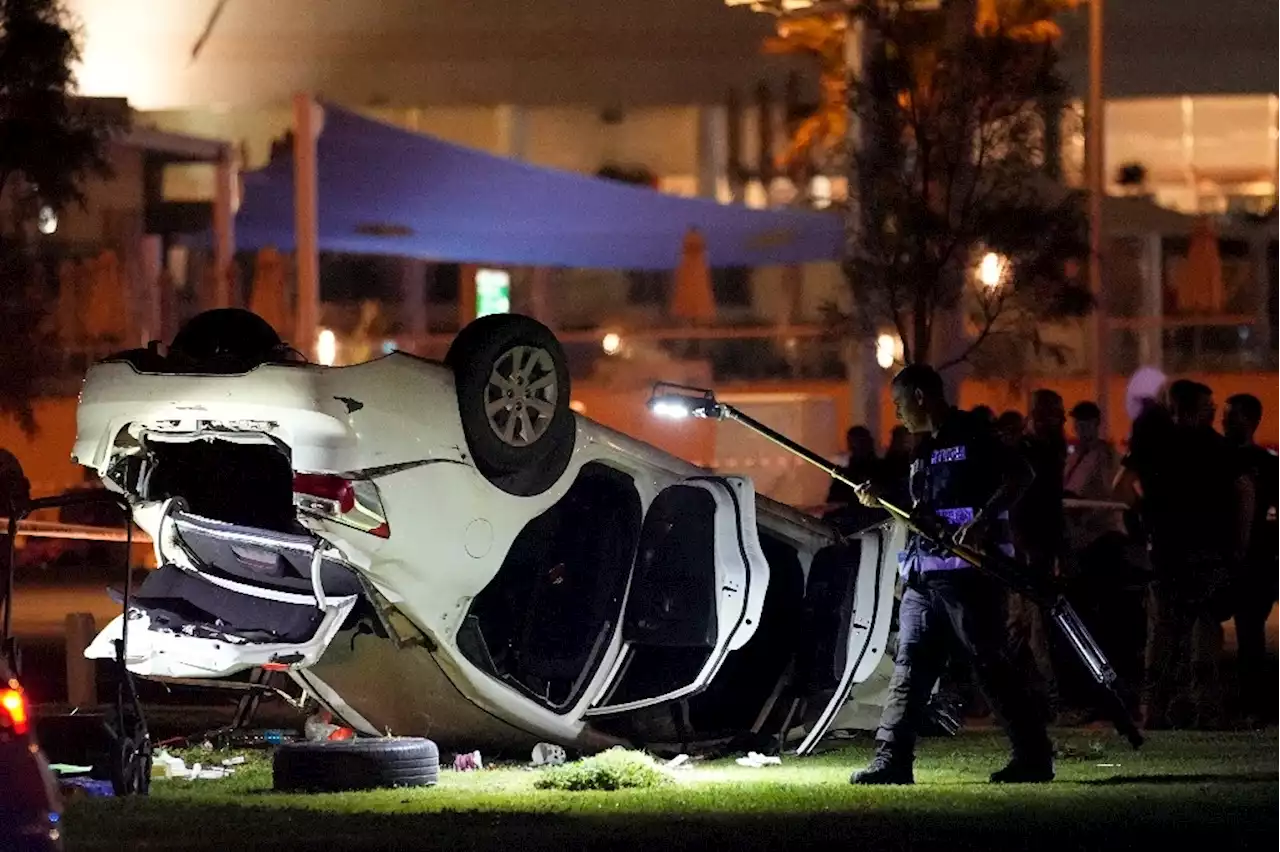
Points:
[[287, 403]]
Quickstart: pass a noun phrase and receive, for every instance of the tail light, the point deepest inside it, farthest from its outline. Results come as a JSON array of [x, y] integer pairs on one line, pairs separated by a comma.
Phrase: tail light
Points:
[[13, 709], [350, 501]]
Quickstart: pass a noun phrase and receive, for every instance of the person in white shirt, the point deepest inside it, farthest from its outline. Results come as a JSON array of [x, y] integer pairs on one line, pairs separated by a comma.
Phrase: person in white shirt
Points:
[[1088, 474]]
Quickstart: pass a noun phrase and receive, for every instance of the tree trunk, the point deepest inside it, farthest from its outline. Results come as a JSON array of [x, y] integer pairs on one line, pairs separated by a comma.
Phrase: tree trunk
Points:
[[921, 334]]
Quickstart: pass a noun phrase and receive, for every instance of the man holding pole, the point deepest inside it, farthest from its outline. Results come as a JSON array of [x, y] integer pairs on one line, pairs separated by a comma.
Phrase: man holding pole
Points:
[[963, 477]]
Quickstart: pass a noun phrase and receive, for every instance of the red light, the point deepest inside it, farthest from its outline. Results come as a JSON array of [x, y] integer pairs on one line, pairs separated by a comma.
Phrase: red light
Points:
[[326, 486], [15, 706]]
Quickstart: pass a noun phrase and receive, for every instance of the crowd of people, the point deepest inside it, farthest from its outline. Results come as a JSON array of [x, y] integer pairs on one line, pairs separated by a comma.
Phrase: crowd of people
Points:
[[1158, 546]]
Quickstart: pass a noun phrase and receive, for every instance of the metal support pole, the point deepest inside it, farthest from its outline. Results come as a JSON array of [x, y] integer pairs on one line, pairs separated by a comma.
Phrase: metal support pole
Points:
[[1094, 159], [864, 375], [224, 248], [307, 119]]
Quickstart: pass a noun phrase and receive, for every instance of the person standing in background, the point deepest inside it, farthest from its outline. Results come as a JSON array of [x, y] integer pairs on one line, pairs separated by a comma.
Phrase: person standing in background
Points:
[[1090, 471], [1254, 580], [1010, 427], [895, 467], [984, 414], [863, 465], [1039, 531], [1196, 512]]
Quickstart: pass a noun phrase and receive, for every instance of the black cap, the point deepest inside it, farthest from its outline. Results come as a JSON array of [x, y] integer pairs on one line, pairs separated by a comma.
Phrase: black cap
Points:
[[1086, 411]]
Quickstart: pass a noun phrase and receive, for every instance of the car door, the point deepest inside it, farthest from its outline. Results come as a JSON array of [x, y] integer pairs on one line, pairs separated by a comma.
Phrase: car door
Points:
[[227, 599], [849, 602], [695, 595]]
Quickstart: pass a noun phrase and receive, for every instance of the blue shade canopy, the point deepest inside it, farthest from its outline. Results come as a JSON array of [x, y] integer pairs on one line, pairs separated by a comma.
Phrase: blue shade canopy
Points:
[[383, 190]]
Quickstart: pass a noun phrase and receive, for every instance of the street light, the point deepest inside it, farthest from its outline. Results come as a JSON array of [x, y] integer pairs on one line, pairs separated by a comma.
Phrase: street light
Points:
[[326, 347], [611, 343], [886, 350], [47, 221], [991, 270]]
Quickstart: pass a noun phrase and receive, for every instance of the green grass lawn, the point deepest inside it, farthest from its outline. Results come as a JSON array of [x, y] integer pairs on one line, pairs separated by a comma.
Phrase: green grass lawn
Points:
[[1219, 791]]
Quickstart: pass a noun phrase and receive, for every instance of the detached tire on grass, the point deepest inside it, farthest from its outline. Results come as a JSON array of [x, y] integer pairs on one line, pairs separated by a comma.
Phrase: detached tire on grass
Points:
[[359, 764]]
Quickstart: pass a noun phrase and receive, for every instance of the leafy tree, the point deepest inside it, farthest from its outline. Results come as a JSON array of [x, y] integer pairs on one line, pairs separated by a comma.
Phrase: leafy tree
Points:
[[953, 161], [49, 147]]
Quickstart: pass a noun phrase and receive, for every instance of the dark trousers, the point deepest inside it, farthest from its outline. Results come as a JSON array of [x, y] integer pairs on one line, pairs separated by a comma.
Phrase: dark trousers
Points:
[[958, 612], [1253, 672], [1184, 643]]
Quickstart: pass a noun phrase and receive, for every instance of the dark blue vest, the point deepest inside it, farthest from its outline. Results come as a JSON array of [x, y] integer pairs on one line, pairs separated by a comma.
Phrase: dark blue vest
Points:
[[954, 474]]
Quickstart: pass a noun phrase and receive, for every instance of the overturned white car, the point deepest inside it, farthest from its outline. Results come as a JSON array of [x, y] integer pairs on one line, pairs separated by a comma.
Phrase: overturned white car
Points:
[[447, 550]]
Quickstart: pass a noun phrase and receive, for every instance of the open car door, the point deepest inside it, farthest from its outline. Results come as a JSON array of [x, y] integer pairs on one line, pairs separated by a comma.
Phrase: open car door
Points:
[[227, 599], [849, 603], [696, 593]]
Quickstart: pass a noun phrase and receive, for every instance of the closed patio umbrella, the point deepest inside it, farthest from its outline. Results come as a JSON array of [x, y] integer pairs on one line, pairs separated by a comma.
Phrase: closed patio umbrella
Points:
[[106, 309], [267, 296], [1200, 290], [692, 298], [70, 304]]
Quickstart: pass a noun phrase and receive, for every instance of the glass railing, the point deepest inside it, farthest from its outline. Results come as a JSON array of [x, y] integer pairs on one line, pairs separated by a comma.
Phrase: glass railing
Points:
[[1220, 344], [726, 354], [1230, 344]]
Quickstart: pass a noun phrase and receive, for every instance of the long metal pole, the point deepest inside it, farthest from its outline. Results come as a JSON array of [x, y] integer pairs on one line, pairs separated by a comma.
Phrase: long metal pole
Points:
[[1095, 173], [994, 564], [306, 229]]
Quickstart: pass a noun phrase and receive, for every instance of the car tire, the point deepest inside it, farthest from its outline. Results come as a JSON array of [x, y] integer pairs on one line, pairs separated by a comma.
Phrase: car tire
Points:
[[524, 446], [226, 340], [358, 764]]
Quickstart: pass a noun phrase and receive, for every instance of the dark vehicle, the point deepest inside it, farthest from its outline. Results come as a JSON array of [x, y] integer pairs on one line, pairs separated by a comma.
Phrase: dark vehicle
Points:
[[30, 807]]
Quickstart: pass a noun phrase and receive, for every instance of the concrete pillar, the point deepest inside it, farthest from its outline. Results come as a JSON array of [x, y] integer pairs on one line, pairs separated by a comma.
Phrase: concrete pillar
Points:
[[224, 245], [950, 341], [540, 308], [733, 147], [152, 279], [513, 131], [713, 150], [866, 382], [866, 377], [466, 294], [1260, 251], [82, 686], [308, 118], [1151, 333], [413, 303]]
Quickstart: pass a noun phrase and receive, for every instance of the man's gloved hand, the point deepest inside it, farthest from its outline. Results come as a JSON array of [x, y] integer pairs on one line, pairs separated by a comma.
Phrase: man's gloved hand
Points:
[[925, 519], [973, 533], [869, 494]]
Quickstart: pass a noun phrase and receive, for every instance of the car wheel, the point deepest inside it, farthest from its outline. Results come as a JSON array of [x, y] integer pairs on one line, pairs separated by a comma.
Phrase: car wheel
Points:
[[227, 340], [359, 764], [512, 380]]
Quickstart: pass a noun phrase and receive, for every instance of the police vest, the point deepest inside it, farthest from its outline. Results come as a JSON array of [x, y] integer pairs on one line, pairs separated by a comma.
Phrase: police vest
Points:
[[954, 474]]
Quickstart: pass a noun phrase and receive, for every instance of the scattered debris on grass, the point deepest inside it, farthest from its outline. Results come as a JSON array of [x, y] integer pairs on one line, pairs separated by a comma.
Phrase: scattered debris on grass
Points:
[[756, 760], [1071, 750], [615, 769], [548, 754]]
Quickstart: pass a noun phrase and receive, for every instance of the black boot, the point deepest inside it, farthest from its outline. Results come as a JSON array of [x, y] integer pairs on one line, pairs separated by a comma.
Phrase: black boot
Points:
[[1022, 770], [889, 766]]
